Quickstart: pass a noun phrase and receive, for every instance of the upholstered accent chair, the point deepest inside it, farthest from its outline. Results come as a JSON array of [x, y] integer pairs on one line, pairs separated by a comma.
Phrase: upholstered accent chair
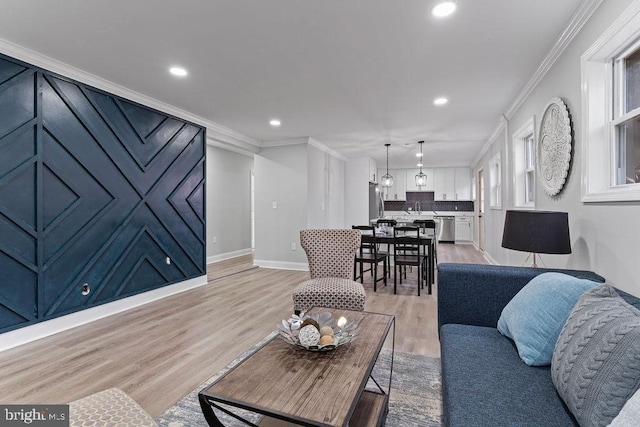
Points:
[[330, 253]]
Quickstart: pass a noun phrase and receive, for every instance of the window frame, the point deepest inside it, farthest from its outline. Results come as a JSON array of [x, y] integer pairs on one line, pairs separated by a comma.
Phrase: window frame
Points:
[[495, 182], [520, 166], [601, 108]]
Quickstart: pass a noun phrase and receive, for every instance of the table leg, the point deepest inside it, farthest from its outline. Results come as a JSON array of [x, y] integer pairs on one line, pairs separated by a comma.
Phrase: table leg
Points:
[[207, 410]]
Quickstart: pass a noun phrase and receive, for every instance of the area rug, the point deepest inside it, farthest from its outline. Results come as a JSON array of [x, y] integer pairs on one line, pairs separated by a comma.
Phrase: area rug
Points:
[[415, 398]]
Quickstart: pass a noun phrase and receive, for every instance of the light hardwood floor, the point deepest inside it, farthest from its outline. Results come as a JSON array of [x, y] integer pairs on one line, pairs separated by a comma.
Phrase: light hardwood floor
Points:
[[159, 352]]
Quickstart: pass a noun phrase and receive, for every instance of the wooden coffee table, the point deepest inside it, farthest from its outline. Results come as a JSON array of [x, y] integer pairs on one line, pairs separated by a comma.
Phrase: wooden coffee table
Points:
[[309, 388]]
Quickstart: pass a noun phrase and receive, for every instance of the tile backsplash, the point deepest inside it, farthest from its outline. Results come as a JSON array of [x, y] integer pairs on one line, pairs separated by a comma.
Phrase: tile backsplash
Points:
[[427, 203]]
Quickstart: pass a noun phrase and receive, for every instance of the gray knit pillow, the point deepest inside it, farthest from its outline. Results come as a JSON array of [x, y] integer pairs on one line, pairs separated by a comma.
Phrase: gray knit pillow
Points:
[[596, 361]]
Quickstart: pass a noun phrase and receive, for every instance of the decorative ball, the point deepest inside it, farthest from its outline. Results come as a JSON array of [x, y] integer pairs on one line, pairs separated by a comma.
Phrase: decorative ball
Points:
[[309, 335], [326, 340], [326, 330], [310, 321]]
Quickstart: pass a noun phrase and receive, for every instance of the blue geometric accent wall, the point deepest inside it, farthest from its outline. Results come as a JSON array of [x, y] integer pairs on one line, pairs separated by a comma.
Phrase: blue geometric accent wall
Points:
[[96, 193]]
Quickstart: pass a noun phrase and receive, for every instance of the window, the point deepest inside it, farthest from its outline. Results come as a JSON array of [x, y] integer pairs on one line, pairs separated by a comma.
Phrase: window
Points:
[[611, 112], [626, 121], [524, 152], [495, 182]]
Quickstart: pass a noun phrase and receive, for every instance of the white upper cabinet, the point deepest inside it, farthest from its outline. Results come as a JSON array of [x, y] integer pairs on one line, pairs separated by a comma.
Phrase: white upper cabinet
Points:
[[399, 190], [463, 184], [444, 183], [452, 184], [411, 180]]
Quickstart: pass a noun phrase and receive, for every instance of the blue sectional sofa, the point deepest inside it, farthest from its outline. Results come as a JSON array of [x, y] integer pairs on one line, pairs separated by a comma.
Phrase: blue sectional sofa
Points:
[[484, 382]]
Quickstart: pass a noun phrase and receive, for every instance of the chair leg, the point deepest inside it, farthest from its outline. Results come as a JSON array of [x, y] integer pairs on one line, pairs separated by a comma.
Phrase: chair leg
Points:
[[374, 267], [384, 271], [395, 276], [419, 279]]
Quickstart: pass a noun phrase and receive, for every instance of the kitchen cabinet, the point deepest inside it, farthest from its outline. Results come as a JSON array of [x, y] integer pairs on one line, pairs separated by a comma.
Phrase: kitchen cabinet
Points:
[[399, 190], [411, 180], [463, 184], [464, 230], [452, 183], [444, 183]]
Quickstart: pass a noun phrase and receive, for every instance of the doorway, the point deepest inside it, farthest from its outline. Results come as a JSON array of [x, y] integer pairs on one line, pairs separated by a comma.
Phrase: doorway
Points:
[[252, 202], [480, 199]]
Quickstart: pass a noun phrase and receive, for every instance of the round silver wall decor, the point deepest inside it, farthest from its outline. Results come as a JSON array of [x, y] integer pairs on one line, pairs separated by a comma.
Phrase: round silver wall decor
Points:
[[554, 147]]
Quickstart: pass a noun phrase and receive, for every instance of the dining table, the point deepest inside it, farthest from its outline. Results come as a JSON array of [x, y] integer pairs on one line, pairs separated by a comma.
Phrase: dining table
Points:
[[385, 235]]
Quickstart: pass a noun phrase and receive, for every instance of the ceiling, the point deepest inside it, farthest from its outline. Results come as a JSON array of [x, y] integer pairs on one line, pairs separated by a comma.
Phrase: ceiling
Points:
[[351, 74]]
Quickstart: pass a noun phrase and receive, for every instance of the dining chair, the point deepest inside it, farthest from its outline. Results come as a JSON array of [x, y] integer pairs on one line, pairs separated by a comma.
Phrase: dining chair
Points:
[[429, 228], [387, 223], [369, 254], [330, 253], [407, 251]]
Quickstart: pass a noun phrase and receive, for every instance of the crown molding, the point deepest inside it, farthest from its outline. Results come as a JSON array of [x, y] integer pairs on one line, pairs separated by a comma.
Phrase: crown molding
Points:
[[580, 17], [326, 149], [496, 132], [305, 140], [214, 130], [285, 142], [246, 151]]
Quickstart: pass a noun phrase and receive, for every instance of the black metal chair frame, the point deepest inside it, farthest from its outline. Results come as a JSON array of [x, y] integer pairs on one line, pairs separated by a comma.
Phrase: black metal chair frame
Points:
[[407, 252], [392, 223], [432, 260], [368, 254]]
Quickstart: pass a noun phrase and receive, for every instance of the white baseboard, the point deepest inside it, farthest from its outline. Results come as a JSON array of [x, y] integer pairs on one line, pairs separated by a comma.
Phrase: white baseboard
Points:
[[44, 329], [489, 259], [280, 265], [228, 255]]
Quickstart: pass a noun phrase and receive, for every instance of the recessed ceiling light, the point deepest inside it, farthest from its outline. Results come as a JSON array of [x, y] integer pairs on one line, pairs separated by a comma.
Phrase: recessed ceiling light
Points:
[[418, 154], [443, 9], [178, 71], [419, 165], [275, 122], [440, 101]]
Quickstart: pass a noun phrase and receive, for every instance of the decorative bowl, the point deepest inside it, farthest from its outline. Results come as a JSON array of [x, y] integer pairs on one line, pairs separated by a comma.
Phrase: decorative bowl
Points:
[[344, 330]]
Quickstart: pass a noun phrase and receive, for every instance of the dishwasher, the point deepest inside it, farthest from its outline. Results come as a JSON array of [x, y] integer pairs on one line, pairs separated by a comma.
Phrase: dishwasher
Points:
[[447, 229]]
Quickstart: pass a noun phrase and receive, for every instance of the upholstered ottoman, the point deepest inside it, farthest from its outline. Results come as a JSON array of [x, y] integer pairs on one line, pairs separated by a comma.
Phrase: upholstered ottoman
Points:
[[331, 292], [108, 408]]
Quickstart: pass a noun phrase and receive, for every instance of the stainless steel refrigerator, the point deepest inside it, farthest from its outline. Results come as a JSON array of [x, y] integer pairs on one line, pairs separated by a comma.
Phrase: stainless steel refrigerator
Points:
[[376, 203]]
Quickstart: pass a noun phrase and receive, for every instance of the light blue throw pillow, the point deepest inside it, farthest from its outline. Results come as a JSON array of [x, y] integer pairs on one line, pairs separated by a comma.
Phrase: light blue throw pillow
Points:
[[534, 317]]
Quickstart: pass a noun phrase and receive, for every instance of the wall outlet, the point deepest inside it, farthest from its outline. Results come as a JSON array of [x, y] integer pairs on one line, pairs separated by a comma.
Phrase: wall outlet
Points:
[[293, 246], [168, 261], [274, 205], [215, 239]]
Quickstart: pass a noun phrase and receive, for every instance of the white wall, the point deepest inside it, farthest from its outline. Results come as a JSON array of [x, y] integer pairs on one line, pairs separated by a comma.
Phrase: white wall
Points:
[[228, 203], [280, 177], [356, 210], [336, 194], [307, 183], [325, 190], [605, 236], [318, 185]]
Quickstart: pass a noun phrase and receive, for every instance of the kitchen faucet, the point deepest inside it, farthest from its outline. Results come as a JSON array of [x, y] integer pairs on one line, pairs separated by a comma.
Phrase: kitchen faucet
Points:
[[416, 207]]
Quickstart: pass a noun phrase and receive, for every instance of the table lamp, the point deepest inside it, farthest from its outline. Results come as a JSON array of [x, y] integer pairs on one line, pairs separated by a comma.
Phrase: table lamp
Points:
[[537, 232]]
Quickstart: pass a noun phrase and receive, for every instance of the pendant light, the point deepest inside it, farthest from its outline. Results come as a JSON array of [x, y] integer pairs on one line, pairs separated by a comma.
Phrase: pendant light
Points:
[[387, 180], [421, 178]]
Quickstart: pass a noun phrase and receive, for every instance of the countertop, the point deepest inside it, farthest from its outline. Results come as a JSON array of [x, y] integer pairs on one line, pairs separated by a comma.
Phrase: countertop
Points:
[[425, 214]]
